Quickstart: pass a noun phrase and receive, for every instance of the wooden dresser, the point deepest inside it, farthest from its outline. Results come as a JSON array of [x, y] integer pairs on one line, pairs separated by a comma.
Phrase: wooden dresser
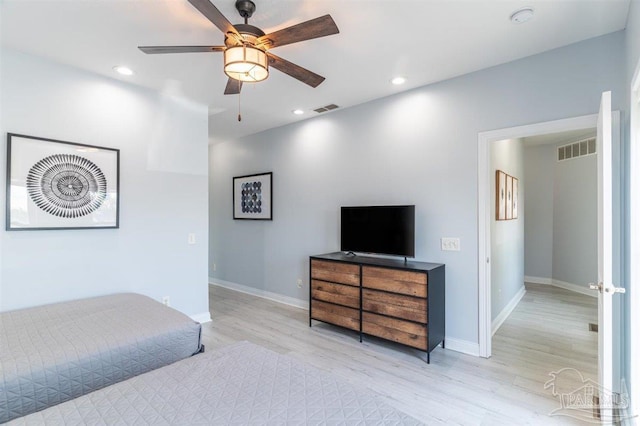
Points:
[[388, 298]]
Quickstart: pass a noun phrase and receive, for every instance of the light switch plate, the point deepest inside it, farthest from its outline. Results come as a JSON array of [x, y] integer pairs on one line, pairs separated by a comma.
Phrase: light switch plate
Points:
[[191, 238], [450, 244]]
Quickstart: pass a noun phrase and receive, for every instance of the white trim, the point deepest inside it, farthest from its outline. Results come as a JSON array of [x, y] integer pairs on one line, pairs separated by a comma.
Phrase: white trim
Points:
[[561, 284], [202, 318], [463, 346], [538, 280], [502, 317], [574, 287], [275, 297], [484, 208], [634, 243]]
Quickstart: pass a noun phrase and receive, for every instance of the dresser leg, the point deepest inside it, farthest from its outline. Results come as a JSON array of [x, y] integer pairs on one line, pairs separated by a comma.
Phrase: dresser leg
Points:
[[442, 343]]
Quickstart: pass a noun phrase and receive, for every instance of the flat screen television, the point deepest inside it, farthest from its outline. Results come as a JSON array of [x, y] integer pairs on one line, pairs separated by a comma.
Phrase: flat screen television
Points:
[[378, 229]]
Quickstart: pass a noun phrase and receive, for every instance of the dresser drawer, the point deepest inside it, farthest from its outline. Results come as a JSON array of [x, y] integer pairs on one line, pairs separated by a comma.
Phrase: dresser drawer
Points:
[[395, 305], [334, 314], [336, 293], [343, 273], [394, 280], [407, 333]]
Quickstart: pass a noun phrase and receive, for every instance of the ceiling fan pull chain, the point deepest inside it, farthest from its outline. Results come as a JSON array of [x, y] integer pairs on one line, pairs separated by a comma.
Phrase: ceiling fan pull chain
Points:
[[239, 94]]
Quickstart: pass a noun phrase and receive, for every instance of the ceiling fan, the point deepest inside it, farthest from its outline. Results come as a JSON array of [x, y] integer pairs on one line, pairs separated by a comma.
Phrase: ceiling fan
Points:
[[246, 48]]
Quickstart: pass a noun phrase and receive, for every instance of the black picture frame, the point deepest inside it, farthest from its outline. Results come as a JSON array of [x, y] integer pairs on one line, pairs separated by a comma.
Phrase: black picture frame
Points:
[[253, 197], [61, 185]]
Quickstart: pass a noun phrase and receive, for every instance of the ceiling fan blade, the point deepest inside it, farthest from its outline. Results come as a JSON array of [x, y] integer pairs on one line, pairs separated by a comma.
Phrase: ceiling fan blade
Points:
[[233, 87], [295, 71], [214, 15], [319, 27], [180, 49]]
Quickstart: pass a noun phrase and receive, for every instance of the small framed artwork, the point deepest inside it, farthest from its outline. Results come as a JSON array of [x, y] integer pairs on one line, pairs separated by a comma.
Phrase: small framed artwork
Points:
[[53, 184], [514, 195], [501, 195], [252, 195], [509, 212]]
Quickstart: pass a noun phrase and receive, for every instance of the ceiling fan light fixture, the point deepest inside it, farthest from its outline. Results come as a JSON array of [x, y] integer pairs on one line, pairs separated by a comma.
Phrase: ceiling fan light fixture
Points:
[[246, 63]]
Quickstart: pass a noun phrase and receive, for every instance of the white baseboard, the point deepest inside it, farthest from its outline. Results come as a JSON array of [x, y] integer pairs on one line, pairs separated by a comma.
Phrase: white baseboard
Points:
[[502, 317], [202, 318], [287, 300], [574, 287], [463, 346], [538, 280], [561, 284]]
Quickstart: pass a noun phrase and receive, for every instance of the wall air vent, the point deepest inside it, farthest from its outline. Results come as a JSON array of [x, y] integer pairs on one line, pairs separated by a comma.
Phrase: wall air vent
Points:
[[577, 149], [326, 108]]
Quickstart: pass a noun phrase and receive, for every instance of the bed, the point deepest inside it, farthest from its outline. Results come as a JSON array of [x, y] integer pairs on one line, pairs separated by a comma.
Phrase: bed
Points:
[[241, 384], [54, 353]]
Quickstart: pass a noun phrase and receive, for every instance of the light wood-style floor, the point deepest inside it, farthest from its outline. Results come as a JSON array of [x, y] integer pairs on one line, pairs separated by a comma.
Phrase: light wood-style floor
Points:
[[546, 332]]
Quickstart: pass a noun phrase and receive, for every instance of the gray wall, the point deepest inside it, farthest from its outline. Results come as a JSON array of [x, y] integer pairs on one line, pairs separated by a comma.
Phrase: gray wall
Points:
[[575, 220], [561, 216], [507, 236], [418, 147], [539, 163], [163, 189]]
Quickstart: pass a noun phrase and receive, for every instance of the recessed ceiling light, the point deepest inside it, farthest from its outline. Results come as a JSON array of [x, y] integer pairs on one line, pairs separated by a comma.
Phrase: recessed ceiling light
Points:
[[398, 81], [298, 111], [522, 15], [123, 70]]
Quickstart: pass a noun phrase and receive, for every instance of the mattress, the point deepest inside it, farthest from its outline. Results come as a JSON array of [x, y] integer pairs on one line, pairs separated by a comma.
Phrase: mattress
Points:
[[242, 384], [53, 353]]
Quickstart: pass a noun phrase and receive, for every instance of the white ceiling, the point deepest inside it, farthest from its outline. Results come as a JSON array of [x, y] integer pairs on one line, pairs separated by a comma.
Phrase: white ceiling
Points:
[[561, 137], [424, 40]]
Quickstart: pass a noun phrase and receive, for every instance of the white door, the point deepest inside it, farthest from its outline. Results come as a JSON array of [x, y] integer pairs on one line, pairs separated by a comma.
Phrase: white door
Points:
[[605, 287]]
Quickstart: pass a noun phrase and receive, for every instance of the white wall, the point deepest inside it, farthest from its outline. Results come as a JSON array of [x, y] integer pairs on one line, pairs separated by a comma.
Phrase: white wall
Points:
[[539, 163], [161, 201], [507, 236], [418, 147]]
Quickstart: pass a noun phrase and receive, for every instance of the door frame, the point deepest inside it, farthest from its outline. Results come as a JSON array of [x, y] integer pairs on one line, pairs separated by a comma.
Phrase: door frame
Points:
[[634, 241], [485, 179]]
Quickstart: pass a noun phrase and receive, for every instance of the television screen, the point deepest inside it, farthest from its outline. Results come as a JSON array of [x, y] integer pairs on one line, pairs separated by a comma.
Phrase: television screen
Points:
[[378, 229]]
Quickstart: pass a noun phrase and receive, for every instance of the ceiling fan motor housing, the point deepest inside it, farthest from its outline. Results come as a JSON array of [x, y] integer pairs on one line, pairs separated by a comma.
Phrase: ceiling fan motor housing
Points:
[[245, 8]]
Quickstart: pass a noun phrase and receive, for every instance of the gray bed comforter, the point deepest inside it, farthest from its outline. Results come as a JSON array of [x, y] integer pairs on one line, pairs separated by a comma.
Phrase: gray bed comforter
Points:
[[53, 353], [243, 384]]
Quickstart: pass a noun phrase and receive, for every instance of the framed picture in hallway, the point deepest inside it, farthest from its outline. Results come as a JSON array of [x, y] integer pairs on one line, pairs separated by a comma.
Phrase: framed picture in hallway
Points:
[[514, 195], [501, 195], [509, 198], [252, 197]]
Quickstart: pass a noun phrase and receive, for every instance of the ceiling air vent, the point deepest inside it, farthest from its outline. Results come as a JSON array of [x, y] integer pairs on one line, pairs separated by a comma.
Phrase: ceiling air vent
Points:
[[577, 149], [326, 108]]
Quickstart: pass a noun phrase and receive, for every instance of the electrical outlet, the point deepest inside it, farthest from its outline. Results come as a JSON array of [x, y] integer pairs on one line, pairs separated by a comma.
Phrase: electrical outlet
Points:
[[191, 238], [165, 301], [299, 283], [450, 244]]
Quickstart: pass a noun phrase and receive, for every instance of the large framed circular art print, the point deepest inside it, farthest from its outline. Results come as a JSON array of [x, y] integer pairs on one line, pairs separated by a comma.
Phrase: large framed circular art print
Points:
[[54, 184]]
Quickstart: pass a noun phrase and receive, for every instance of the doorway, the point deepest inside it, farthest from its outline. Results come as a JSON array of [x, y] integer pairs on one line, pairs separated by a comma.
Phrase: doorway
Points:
[[485, 182]]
